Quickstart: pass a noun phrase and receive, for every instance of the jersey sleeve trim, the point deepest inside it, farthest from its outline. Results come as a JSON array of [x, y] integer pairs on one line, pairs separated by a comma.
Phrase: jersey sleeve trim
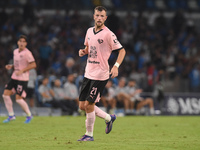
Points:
[[118, 49]]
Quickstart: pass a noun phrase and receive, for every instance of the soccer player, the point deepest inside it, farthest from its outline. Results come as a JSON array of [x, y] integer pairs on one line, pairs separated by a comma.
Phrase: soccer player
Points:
[[23, 62], [99, 43]]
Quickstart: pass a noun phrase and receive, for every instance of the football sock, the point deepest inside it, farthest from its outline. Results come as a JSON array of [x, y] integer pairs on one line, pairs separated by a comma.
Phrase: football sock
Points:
[[100, 113], [24, 106], [9, 105], [90, 119]]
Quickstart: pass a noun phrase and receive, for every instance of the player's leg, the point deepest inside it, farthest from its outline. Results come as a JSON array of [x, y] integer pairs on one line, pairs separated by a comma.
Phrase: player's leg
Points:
[[88, 108], [83, 95], [21, 92], [90, 119], [9, 105], [109, 119], [25, 107]]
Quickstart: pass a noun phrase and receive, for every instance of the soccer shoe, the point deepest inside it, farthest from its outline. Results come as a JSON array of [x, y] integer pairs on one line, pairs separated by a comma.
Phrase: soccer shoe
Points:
[[86, 138], [28, 119], [10, 118], [109, 124]]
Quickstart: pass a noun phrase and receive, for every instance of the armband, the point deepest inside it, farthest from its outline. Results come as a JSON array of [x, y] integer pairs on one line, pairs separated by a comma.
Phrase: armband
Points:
[[117, 64]]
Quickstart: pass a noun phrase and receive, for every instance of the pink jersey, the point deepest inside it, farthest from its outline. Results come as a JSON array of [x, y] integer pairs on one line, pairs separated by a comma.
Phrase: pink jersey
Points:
[[21, 61], [100, 46]]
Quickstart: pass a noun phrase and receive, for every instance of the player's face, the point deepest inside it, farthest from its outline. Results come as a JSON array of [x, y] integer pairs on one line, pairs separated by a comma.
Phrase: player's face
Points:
[[99, 18], [21, 43]]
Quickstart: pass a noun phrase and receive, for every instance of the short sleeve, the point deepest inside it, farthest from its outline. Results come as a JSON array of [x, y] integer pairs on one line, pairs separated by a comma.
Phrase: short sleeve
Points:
[[114, 43], [30, 57]]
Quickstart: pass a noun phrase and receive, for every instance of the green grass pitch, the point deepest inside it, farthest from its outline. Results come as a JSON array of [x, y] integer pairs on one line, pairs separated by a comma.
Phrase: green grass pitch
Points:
[[129, 133]]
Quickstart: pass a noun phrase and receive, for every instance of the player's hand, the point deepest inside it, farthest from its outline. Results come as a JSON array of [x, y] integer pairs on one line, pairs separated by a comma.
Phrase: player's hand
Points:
[[8, 67], [81, 52], [19, 72], [114, 72]]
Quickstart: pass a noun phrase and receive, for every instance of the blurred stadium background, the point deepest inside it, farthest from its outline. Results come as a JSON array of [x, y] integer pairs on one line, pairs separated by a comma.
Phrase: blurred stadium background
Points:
[[161, 38]]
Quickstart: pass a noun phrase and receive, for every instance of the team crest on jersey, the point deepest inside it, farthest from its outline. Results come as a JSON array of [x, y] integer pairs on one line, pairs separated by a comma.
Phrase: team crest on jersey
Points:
[[100, 41], [93, 52]]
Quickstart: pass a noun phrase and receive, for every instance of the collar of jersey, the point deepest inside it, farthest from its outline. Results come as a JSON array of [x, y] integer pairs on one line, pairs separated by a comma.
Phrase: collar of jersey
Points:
[[97, 31], [21, 51]]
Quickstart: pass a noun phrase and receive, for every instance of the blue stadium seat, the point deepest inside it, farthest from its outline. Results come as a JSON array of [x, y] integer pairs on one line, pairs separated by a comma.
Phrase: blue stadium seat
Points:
[[198, 1], [182, 4], [172, 4], [150, 4]]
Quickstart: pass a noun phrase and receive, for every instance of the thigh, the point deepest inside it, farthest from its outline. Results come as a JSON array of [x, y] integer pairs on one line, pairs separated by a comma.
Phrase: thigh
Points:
[[10, 87], [21, 89], [7, 92], [91, 90], [84, 90], [96, 90]]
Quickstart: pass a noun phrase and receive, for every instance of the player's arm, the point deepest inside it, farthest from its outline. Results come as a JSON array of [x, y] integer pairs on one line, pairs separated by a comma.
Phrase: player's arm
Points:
[[83, 52], [29, 67], [120, 58]]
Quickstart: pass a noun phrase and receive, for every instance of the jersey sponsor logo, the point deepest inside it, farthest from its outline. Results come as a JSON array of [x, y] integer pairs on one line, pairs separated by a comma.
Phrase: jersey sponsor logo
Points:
[[93, 62], [93, 52], [100, 41]]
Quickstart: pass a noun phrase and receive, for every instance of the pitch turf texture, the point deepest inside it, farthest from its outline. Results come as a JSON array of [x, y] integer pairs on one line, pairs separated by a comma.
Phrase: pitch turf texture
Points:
[[129, 133]]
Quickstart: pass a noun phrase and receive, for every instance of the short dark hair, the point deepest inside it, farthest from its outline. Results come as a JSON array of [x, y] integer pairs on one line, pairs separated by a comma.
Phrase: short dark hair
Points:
[[22, 37], [100, 8]]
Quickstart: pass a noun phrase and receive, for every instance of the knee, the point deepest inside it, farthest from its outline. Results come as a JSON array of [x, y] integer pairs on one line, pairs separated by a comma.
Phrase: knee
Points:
[[5, 96], [82, 107]]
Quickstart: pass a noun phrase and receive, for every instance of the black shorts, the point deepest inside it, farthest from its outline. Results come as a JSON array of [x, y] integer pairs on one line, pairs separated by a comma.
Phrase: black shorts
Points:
[[91, 89], [20, 87]]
